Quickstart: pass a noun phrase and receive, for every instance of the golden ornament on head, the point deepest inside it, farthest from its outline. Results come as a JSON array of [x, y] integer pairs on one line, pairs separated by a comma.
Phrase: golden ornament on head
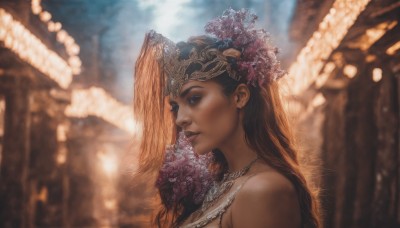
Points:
[[231, 52]]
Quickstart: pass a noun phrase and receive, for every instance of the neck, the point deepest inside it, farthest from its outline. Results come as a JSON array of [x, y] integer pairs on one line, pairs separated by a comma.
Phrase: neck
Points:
[[237, 152]]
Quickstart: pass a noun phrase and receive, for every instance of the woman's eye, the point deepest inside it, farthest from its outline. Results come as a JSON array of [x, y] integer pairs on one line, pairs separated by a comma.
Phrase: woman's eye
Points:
[[174, 108], [194, 100]]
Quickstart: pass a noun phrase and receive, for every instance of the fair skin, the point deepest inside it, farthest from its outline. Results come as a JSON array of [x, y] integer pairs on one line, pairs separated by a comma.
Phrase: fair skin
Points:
[[213, 120]]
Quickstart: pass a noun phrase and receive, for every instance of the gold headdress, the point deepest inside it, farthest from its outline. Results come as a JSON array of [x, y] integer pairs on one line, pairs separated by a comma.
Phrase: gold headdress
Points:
[[201, 65], [237, 48]]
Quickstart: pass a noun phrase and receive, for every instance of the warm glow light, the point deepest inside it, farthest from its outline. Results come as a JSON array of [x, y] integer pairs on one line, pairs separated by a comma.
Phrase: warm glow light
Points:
[[30, 49], [73, 50], [36, 9], [51, 26], [95, 101], [108, 162], [371, 35], [392, 50], [61, 133], [57, 26], [306, 69], [36, 2], [45, 16], [377, 74], [61, 155], [350, 70], [69, 41], [62, 36], [54, 26], [318, 100], [76, 71], [42, 195], [74, 61], [131, 125], [110, 204], [370, 58], [328, 69]]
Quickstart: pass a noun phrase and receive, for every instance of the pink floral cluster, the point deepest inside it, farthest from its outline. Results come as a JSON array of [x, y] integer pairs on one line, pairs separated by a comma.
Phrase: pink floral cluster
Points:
[[184, 176], [258, 60]]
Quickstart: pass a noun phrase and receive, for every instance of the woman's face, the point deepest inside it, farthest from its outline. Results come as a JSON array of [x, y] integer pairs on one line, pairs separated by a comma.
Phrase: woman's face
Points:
[[207, 116]]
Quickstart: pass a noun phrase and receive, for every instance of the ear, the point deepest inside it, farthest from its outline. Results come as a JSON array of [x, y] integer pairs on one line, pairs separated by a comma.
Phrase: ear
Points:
[[241, 95]]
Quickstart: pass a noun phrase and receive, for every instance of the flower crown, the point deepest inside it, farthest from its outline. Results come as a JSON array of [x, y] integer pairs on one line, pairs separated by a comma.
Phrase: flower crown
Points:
[[240, 49]]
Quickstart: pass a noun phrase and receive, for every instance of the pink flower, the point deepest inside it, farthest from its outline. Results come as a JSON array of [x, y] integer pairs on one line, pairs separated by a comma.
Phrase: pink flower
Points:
[[184, 176], [258, 61]]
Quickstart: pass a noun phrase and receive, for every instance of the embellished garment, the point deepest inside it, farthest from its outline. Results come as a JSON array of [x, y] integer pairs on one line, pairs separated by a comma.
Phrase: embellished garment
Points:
[[209, 217]]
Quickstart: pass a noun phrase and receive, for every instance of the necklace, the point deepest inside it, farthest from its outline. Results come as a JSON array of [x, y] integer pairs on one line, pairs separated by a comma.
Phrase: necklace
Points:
[[219, 189]]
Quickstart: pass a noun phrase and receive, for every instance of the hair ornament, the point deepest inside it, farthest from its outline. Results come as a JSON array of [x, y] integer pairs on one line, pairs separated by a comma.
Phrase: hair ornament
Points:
[[238, 48], [258, 60]]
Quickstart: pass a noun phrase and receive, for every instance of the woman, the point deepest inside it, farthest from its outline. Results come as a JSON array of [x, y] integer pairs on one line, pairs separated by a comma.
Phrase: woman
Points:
[[233, 162]]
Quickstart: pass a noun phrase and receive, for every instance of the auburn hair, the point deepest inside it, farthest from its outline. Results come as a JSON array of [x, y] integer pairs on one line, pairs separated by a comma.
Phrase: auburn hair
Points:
[[266, 126]]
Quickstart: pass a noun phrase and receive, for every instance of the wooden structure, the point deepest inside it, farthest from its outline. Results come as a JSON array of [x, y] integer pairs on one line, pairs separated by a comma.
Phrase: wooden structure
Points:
[[360, 148], [55, 169], [33, 185]]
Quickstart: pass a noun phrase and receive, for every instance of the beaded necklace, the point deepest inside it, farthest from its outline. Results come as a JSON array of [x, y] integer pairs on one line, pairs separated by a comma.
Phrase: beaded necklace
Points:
[[218, 189]]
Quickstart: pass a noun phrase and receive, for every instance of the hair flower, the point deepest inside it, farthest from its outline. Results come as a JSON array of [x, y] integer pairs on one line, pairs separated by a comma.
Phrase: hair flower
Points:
[[258, 61]]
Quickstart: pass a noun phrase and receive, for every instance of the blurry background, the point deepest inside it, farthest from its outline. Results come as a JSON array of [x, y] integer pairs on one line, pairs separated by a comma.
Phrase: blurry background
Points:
[[67, 131]]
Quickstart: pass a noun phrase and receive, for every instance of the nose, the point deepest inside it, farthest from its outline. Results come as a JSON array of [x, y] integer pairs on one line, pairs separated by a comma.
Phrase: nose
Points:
[[182, 118]]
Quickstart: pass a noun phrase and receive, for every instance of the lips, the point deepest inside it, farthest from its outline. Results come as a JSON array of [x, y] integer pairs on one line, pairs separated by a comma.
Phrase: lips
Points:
[[191, 136]]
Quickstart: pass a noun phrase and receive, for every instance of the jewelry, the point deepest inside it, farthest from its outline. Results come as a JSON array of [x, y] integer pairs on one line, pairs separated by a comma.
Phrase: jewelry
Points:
[[216, 212], [219, 189], [209, 61]]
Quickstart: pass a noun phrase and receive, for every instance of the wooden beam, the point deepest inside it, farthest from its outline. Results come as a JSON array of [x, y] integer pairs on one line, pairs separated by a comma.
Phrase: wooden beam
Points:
[[15, 156], [385, 10]]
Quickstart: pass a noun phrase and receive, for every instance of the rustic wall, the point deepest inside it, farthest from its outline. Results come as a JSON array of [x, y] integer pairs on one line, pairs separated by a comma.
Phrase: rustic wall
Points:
[[360, 153], [15, 155]]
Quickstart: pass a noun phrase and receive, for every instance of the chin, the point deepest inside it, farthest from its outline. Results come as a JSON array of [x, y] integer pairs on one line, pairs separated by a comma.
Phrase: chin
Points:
[[201, 150]]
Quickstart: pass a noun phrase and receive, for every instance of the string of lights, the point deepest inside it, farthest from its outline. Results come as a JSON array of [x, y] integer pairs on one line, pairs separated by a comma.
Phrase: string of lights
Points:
[[95, 101], [62, 36], [31, 49], [311, 59]]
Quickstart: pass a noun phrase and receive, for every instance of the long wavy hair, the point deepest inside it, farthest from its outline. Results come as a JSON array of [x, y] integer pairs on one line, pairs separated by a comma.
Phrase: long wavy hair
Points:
[[266, 126]]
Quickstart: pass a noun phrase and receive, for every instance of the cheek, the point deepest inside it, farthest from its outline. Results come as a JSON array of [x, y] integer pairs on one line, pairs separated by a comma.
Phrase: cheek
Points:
[[216, 119]]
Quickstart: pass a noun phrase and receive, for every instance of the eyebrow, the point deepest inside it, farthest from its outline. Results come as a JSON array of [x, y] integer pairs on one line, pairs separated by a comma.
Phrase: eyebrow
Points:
[[186, 91]]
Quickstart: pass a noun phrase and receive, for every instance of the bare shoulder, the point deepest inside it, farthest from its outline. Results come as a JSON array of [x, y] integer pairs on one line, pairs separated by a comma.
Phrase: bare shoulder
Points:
[[267, 183], [267, 199]]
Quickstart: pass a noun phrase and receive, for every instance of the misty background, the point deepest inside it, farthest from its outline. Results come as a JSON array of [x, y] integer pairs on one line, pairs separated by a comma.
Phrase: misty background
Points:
[[111, 32]]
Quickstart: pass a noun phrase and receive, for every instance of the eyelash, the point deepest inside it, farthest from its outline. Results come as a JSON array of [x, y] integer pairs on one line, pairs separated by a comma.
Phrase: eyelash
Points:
[[174, 108], [192, 101]]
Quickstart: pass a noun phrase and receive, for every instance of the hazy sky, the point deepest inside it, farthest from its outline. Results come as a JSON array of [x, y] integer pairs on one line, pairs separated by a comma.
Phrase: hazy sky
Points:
[[123, 23]]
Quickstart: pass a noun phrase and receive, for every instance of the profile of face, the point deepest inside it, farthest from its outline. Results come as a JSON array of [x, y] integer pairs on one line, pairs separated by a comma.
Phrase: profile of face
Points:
[[208, 117]]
